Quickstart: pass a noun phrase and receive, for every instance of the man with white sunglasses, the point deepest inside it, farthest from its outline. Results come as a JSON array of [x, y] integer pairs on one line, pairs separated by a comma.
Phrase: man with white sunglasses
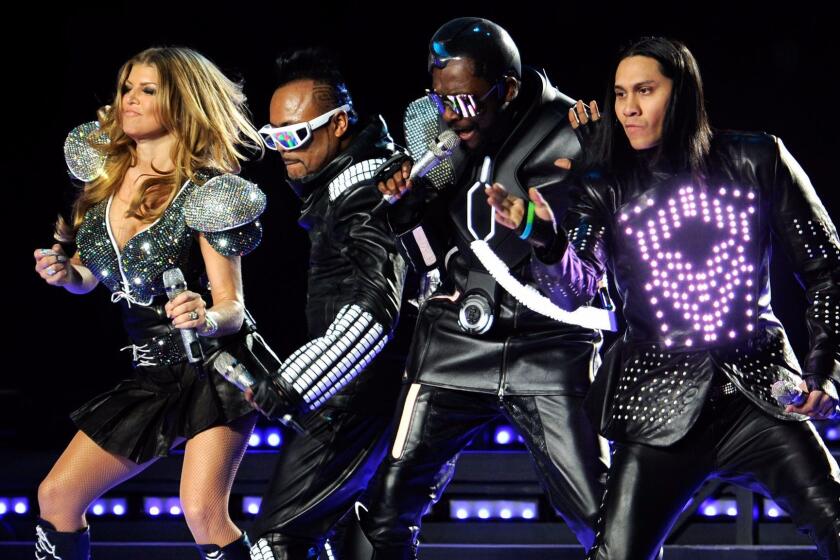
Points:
[[341, 385]]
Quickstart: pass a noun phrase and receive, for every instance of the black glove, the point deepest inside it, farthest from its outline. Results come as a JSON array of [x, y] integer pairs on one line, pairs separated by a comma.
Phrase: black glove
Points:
[[587, 136], [822, 383], [274, 399]]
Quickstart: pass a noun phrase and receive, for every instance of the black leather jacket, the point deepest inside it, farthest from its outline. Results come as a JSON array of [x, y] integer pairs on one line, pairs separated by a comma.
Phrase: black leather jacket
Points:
[[523, 353], [354, 260], [691, 263]]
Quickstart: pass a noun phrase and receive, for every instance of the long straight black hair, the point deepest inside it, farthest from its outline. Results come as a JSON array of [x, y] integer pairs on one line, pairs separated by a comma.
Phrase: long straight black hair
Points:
[[686, 134]]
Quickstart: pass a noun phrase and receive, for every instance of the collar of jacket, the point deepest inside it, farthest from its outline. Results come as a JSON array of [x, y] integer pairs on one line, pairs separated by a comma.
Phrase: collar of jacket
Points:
[[535, 91], [371, 140]]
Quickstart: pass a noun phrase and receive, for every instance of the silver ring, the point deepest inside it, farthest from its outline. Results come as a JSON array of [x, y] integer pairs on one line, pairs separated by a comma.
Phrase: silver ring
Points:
[[50, 270], [193, 315]]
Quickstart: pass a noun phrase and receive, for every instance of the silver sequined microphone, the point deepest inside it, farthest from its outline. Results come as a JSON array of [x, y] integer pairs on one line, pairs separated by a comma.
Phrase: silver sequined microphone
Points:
[[232, 369], [229, 367], [439, 150], [174, 283], [787, 393]]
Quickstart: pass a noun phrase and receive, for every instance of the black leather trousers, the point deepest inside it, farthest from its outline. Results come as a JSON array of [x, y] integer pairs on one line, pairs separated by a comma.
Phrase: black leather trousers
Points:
[[732, 440], [317, 480], [437, 423]]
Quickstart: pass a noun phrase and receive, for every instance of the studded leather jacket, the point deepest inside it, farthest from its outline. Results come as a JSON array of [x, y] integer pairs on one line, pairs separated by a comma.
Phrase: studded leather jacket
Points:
[[691, 263]]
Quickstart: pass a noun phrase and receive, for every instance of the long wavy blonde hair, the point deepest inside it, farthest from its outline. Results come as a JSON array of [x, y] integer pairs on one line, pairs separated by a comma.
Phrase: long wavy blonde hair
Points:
[[199, 105]]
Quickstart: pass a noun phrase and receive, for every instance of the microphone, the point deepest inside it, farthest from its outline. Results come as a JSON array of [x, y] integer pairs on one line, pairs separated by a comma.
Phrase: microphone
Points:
[[174, 283], [229, 367], [232, 369], [439, 150], [787, 393]]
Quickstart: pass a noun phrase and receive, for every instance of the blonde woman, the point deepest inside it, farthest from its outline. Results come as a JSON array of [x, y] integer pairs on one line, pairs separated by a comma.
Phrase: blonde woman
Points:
[[166, 197]]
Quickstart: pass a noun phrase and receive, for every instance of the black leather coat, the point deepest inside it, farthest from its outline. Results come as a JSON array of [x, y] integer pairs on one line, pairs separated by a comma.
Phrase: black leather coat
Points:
[[353, 259], [523, 353]]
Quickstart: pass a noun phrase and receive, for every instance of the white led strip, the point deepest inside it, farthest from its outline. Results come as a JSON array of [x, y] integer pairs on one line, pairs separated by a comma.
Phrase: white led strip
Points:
[[322, 367], [584, 316]]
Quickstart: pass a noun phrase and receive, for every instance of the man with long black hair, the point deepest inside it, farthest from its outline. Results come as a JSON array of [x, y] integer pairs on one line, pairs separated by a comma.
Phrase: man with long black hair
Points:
[[700, 384]]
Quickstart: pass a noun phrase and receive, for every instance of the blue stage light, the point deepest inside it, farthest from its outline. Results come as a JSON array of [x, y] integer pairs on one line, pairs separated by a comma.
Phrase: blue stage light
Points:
[[153, 506], [273, 438], [772, 510], [251, 504], [255, 440], [173, 506], [20, 505], [98, 508], [503, 435], [493, 509]]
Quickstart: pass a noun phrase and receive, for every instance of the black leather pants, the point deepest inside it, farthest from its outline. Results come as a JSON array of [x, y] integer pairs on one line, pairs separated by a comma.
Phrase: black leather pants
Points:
[[734, 441], [317, 480], [436, 424]]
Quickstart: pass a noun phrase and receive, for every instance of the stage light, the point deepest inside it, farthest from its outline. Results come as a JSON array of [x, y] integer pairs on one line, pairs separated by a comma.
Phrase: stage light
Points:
[[152, 506], [492, 509], [772, 510], [251, 504], [273, 438], [503, 435], [173, 506], [255, 440]]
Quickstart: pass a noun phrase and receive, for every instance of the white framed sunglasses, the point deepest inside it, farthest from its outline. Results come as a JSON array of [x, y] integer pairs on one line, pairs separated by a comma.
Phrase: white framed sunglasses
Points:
[[293, 136]]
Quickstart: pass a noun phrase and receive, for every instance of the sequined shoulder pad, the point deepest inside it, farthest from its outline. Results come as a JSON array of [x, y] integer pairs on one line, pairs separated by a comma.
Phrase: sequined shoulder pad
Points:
[[223, 203], [84, 161]]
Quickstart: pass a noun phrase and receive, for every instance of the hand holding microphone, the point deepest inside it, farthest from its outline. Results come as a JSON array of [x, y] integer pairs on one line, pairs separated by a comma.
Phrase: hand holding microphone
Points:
[[818, 400], [273, 400], [393, 183], [187, 310]]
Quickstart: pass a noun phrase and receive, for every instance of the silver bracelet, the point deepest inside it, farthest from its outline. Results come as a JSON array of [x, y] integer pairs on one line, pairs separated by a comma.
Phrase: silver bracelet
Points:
[[211, 327]]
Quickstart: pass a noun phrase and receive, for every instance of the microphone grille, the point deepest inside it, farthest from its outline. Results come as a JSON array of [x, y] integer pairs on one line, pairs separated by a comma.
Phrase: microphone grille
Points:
[[173, 277], [421, 123], [448, 139], [224, 362]]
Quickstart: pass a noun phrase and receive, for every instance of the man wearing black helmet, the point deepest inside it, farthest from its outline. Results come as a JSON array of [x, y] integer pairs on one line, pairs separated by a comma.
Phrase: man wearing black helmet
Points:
[[478, 354]]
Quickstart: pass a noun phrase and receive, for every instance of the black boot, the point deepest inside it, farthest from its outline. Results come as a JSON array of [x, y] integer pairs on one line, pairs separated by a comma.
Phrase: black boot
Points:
[[240, 549], [51, 544]]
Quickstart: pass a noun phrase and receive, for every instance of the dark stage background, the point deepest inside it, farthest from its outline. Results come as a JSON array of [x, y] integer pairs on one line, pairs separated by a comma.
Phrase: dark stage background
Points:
[[764, 70]]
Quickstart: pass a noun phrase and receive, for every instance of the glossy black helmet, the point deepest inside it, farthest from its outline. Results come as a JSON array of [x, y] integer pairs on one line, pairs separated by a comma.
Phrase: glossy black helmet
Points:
[[488, 45]]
